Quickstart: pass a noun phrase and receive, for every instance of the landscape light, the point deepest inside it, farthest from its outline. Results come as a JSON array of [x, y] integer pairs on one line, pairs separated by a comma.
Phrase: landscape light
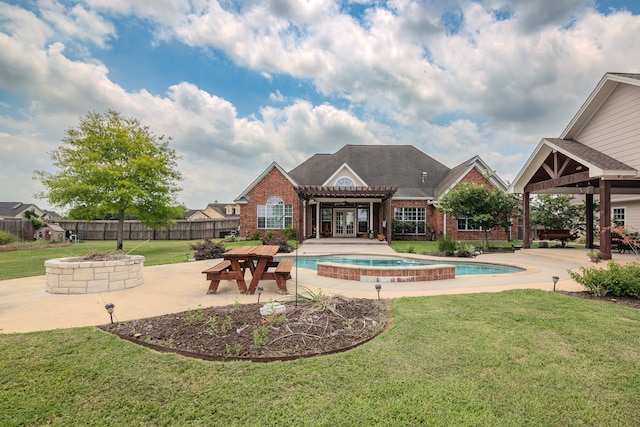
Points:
[[109, 307], [555, 280], [259, 289], [378, 288]]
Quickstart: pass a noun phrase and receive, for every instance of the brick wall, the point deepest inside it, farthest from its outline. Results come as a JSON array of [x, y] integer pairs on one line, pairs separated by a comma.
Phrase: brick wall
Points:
[[272, 184]]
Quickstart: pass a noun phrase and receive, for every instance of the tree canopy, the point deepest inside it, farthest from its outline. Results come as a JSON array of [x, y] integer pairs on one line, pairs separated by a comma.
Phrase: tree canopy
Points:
[[558, 212], [113, 164], [485, 208]]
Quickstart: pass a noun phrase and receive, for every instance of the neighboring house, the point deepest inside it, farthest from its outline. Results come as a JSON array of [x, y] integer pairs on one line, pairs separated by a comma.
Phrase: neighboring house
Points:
[[596, 156], [215, 211], [361, 190], [18, 209]]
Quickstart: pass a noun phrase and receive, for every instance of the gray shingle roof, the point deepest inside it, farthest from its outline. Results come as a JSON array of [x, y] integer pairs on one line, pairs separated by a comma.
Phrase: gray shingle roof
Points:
[[378, 165], [11, 209], [589, 155]]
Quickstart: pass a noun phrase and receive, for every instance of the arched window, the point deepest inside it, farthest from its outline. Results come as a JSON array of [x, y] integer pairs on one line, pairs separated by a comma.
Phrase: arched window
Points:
[[345, 181], [275, 214]]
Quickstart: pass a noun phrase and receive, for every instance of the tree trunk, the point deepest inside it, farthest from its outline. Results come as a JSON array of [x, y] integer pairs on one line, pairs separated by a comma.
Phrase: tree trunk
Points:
[[120, 230]]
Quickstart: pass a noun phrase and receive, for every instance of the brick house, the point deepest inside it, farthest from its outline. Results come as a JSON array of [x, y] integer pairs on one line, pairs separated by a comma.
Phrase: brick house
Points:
[[363, 190]]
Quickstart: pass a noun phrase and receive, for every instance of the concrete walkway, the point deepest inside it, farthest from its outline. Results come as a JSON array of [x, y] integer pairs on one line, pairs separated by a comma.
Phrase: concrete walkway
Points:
[[25, 305]]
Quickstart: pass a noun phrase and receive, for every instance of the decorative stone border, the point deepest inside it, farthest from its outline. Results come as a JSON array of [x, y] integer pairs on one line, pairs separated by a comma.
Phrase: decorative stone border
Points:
[[422, 273], [69, 276]]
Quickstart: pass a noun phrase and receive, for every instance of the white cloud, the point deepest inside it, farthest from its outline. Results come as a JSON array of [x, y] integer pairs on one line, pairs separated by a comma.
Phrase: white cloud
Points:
[[490, 78]]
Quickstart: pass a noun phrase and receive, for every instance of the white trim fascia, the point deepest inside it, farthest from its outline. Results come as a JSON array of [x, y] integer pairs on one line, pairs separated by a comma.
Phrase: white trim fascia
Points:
[[525, 174], [259, 178], [477, 161], [599, 96], [594, 171], [338, 172]]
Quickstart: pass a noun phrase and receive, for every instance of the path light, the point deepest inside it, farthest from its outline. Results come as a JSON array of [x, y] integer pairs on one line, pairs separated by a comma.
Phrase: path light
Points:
[[109, 307], [378, 288], [259, 289], [555, 280]]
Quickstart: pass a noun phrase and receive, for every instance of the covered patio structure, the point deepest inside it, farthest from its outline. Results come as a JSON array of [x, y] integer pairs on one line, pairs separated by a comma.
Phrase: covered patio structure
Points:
[[560, 166], [346, 211], [597, 155]]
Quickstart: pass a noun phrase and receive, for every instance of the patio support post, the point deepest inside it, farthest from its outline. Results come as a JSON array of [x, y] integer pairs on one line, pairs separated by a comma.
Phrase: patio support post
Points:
[[300, 233], [605, 219], [589, 220], [526, 241]]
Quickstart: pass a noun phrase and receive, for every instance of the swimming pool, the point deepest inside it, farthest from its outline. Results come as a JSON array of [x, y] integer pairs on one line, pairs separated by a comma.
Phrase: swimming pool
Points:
[[461, 267]]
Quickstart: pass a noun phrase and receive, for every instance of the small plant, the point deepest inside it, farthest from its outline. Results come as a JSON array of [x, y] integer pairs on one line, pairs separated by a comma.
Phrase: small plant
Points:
[[260, 336], [213, 324], [194, 316], [236, 305], [466, 250], [6, 237], [593, 256], [237, 349], [227, 324], [278, 320], [255, 235], [207, 249], [447, 245], [269, 234]]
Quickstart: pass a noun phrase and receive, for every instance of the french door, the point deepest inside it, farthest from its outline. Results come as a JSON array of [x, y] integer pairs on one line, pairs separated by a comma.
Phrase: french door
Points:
[[345, 223]]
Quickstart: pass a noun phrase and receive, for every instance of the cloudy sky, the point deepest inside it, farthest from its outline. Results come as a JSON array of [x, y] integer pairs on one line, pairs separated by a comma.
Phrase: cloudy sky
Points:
[[238, 85]]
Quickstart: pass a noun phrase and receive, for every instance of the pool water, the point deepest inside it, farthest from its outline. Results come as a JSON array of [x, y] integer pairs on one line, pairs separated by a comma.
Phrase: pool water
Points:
[[462, 268]]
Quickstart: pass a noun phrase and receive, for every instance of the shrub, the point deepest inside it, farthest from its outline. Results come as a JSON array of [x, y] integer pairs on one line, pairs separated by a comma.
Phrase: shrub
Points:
[[269, 234], [290, 233], [207, 249], [466, 251], [277, 241], [255, 235], [616, 280], [447, 245], [6, 237]]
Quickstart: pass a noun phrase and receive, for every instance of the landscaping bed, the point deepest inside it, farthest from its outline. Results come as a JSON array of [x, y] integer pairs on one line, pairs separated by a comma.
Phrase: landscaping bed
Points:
[[240, 332]]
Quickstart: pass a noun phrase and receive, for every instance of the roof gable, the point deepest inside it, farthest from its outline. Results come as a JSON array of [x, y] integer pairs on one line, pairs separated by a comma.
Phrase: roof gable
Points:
[[458, 173], [274, 165], [404, 166], [344, 171], [604, 89]]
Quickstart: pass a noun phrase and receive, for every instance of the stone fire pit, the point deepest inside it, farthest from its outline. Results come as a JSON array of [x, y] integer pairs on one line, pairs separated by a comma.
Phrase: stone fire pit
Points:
[[77, 276]]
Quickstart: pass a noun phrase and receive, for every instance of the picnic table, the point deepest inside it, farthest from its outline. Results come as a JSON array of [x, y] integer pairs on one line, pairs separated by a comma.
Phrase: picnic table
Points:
[[258, 259]]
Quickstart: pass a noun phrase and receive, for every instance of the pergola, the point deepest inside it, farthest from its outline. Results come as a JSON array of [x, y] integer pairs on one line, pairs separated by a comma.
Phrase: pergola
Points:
[[566, 166], [384, 193]]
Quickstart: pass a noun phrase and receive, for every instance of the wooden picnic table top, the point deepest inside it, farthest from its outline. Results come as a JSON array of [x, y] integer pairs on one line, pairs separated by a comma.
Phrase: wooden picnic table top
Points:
[[243, 252]]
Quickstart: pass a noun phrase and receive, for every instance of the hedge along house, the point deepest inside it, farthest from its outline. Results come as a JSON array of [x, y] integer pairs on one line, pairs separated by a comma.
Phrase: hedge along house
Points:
[[363, 190], [597, 155]]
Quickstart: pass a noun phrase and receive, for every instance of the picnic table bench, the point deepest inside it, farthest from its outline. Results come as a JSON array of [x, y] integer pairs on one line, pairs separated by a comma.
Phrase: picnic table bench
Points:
[[258, 259]]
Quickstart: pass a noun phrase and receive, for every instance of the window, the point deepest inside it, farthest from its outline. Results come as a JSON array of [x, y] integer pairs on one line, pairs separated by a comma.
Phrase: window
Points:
[[618, 216], [410, 220], [275, 214], [363, 220], [345, 181], [465, 224]]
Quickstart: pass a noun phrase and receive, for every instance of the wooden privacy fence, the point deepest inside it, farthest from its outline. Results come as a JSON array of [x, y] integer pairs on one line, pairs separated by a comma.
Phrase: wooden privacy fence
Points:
[[134, 230], [21, 227]]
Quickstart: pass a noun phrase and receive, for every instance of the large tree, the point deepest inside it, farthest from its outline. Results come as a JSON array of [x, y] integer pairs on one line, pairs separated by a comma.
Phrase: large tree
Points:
[[558, 212], [114, 164], [485, 208]]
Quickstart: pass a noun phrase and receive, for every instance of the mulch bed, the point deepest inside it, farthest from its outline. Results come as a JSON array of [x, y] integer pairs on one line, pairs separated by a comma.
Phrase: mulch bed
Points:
[[240, 332], [627, 301]]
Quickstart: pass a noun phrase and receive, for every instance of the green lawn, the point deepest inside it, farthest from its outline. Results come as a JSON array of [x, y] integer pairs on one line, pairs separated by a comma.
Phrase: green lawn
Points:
[[30, 262], [516, 358]]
